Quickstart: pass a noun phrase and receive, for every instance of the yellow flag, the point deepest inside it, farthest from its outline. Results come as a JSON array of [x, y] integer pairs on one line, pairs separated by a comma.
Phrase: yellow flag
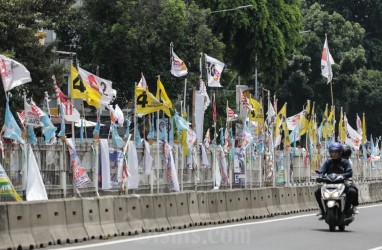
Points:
[[342, 128], [161, 95], [331, 122], [364, 129], [147, 103], [280, 117], [6, 187], [304, 122], [80, 89], [256, 114], [312, 127]]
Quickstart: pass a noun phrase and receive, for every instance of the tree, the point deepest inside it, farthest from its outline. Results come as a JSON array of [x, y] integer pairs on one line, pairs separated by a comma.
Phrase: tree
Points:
[[263, 35], [19, 23], [134, 37]]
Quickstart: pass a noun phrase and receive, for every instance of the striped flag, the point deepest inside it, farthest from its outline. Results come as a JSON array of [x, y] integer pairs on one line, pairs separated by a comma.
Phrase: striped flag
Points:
[[230, 114]]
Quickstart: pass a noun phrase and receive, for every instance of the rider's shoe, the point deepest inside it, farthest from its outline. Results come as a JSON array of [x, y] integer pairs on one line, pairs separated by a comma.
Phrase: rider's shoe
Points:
[[348, 214], [355, 210]]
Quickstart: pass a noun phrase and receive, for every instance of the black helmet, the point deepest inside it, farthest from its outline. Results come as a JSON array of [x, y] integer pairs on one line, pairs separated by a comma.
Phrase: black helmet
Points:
[[346, 153], [335, 146]]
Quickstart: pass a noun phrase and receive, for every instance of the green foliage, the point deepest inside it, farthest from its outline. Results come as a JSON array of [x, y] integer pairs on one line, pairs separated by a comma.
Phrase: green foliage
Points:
[[19, 22]]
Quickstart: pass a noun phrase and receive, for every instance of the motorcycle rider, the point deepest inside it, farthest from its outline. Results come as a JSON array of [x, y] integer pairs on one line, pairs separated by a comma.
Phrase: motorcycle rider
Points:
[[338, 166], [346, 155]]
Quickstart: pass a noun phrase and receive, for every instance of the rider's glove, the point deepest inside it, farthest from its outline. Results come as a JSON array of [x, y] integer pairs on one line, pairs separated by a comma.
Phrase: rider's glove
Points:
[[319, 179]]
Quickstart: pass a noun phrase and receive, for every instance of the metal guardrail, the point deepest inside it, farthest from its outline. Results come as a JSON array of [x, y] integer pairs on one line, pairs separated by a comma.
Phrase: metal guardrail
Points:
[[249, 171]]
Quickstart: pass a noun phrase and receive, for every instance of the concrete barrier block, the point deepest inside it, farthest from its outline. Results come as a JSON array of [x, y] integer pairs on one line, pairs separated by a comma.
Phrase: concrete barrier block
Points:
[[147, 208], [75, 220], [365, 192], [19, 222], [312, 203], [57, 221], [135, 215], [91, 214], [5, 238], [172, 211], [293, 199], [283, 201], [270, 199], [106, 212], [303, 198], [40, 223], [193, 206], [232, 206], [211, 197], [203, 207], [222, 206], [159, 202], [183, 210], [259, 204], [121, 216], [247, 204]]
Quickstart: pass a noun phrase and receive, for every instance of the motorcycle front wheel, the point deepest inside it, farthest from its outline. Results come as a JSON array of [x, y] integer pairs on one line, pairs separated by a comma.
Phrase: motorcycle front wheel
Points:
[[332, 218]]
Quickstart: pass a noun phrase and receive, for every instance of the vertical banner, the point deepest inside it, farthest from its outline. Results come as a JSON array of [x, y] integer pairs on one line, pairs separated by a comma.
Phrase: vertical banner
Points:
[[6, 187], [199, 115], [80, 177]]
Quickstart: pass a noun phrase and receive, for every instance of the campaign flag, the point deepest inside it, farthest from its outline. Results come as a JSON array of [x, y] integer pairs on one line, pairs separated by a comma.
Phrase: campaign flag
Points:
[[116, 115], [359, 125], [172, 176], [327, 62], [214, 71], [230, 114], [13, 73], [304, 121], [80, 89], [80, 177], [178, 67], [294, 120], [147, 103], [11, 128], [181, 123], [353, 139], [162, 96], [6, 187], [142, 83], [35, 190], [295, 134], [103, 86]]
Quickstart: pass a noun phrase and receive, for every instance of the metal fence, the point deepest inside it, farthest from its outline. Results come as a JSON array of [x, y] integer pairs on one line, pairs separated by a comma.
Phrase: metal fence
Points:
[[282, 168]]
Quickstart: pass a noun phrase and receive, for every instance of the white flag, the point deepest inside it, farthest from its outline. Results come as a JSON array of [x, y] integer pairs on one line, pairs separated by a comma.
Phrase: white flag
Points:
[[326, 62], [293, 121], [353, 139], [178, 67], [13, 73], [35, 190], [103, 86], [214, 71], [142, 83]]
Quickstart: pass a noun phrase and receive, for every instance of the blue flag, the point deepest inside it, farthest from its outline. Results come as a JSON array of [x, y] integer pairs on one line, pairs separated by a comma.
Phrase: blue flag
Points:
[[11, 128], [152, 129], [48, 129], [127, 129], [31, 136], [117, 140], [63, 128], [97, 128], [181, 123]]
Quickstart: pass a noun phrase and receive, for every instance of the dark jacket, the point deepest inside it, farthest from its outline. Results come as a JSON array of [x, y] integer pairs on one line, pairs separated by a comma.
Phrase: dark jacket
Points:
[[338, 166]]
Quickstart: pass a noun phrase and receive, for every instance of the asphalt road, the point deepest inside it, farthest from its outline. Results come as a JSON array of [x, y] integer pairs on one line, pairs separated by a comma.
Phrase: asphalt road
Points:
[[297, 231]]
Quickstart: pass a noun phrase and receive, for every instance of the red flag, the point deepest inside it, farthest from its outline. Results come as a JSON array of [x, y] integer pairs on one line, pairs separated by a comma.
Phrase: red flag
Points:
[[230, 114]]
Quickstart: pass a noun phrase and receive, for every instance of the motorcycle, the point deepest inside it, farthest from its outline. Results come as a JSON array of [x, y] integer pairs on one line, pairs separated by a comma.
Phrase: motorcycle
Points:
[[333, 199]]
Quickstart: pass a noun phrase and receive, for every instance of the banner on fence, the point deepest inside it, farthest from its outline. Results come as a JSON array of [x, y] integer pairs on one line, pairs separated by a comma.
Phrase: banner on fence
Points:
[[6, 187], [80, 177]]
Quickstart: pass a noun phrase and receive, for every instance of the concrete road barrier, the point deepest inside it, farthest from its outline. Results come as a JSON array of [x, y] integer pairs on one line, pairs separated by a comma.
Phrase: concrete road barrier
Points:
[[259, 203], [160, 212], [211, 196], [106, 212], [121, 216], [270, 200], [203, 207], [134, 215], [148, 216], [303, 198], [5, 238], [91, 214], [75, 220], [57, 221], [40, 223], [183, 210], [282, 195], [221, 201], [193, 208], [20, 228], [292, 199]]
